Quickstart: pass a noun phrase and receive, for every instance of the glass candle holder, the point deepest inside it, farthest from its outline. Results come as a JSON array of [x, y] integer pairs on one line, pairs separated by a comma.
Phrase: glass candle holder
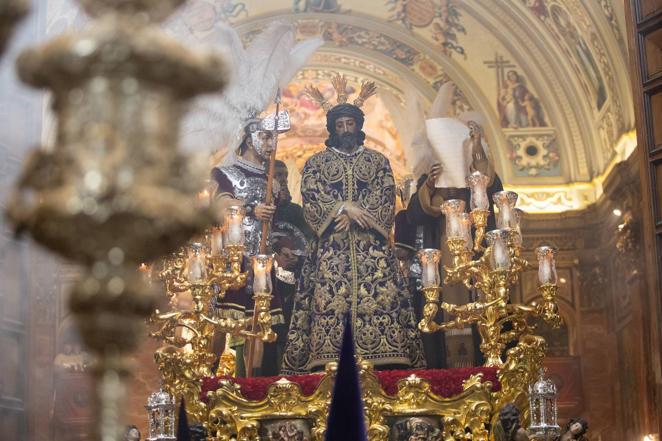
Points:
[[234, 224], [499, 257], [466, 223], [262, 264], [546, 265], [477, 183], [430, 259], [452, 209], [217, 241], [197, 263], [505, 202]]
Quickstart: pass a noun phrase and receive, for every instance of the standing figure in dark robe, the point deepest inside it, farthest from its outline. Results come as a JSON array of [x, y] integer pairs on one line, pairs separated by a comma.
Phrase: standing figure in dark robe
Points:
[[424, 211], [291, 237], [348, 195], [245, 183]]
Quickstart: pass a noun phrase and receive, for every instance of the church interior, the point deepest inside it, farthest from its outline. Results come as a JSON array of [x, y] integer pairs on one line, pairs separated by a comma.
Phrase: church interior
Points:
[[569, 94]]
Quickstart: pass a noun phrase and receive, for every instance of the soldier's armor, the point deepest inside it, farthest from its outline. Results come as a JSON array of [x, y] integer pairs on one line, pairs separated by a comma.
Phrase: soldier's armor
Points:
[[251, 190]]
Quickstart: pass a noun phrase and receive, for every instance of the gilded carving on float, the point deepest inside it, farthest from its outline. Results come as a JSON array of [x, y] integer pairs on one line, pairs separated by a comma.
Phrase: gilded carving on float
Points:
[[285, 400], [114, 191], [468, 415]]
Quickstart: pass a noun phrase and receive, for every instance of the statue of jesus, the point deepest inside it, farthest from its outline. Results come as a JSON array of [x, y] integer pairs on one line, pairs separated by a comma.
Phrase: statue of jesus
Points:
[[348, 194]]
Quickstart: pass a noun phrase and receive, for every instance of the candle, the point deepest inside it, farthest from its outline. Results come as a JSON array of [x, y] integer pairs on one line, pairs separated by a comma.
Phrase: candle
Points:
[[430, 259], [465, 222], [505, 202], [499, 257], [216, 241], [452, 208], [197, 264], [234, 220], [546, 265], [262, 264], [477, 182]]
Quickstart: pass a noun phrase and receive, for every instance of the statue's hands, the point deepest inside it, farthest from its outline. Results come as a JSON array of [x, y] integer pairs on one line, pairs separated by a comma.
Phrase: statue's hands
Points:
[[433, 174], [352, 213], [264, 212], [358, 215], [342, 222]]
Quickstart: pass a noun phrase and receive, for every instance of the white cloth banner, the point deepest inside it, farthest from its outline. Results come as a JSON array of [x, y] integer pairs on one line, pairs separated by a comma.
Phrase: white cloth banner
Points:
[[447, 136]]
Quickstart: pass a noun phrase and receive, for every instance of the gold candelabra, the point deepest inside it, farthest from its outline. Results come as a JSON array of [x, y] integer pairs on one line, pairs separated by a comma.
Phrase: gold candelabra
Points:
[[206, 271], [491, 274]]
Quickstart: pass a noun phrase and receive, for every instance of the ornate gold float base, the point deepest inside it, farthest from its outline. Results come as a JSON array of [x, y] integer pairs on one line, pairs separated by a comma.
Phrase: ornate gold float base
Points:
[[467, 416]]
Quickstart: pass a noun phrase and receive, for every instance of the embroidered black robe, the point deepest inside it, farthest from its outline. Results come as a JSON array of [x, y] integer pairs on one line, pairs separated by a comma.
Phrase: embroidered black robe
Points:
[[350, 272]]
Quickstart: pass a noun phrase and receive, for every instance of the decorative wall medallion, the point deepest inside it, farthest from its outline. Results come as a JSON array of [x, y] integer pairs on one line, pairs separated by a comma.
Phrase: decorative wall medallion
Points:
[[416, 13], [534, 153], [443, 16]]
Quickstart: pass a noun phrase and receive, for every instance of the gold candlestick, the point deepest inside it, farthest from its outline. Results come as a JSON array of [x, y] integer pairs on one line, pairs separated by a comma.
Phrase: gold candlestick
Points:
[[492, 275], [430, 310], [479, 219], [182, 372]]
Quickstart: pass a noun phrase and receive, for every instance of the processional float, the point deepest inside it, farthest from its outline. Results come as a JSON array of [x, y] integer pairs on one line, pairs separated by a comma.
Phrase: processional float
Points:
[[513, 376]]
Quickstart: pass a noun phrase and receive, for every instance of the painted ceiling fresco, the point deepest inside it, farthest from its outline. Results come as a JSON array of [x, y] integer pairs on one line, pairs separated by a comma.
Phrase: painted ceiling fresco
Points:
[[548, 76]]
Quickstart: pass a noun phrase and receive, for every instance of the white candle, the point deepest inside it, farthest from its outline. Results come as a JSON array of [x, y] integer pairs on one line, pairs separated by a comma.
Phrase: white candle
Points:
[[197, 264], [234, 223], [262, 264], [505, 202], [479, 200], [429, 275], [505, 218], [430, 267], [477, 182], [500, 256], [452, 209], [216, 242], [546, 265], [454, 227]]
